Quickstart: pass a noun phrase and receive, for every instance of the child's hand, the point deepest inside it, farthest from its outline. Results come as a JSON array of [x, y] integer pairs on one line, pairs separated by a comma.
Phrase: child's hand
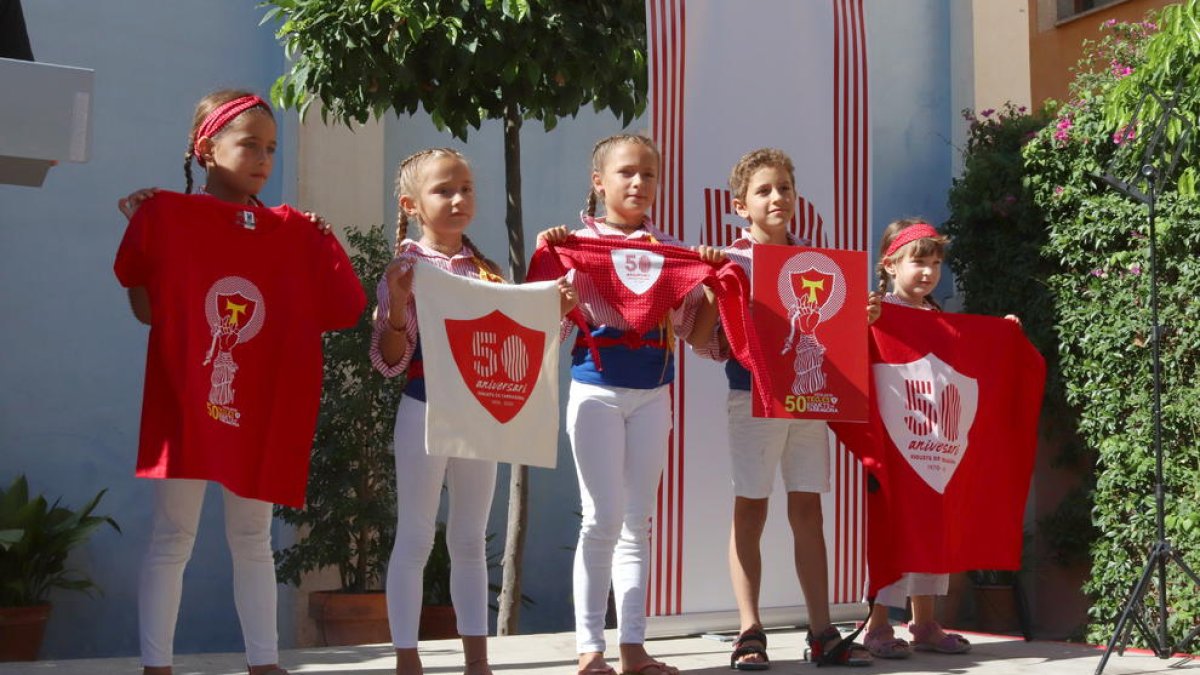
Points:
[[1015, 319], [129, 205], [399, 278], [710, 255], [568, 297], [320, 222], [874, 307], [555, 235]]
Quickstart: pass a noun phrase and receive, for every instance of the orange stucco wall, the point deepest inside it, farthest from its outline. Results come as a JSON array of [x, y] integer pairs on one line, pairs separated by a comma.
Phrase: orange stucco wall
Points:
[[1055, 48]]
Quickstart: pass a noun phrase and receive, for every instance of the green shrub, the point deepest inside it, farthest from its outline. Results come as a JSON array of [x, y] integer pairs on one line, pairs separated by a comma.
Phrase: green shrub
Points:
[[1098, 241]]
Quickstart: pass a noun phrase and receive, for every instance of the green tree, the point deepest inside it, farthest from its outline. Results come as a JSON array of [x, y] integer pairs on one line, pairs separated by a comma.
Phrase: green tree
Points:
[[464, 61]]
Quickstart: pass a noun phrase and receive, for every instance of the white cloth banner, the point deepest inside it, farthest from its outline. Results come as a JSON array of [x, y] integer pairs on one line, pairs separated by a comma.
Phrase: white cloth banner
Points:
[[491, 367], [726, 78]]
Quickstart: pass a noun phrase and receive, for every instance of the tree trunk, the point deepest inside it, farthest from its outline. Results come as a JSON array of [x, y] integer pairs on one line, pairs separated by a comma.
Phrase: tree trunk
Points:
[[509, 601]]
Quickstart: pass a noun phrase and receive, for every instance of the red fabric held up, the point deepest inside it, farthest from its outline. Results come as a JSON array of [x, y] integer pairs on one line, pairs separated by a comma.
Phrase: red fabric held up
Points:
[[951, 442]]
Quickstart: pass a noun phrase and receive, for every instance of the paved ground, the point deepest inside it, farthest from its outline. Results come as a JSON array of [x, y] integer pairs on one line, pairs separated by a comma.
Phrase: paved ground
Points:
[[553, 653]]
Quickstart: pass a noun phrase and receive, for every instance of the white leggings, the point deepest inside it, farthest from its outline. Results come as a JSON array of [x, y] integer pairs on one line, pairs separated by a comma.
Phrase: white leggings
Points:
[[419, 477], [177, 505], [619, 438]]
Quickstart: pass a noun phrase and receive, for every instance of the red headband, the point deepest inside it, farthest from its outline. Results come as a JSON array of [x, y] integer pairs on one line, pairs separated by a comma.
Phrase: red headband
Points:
[[910, 234], [222, 115]]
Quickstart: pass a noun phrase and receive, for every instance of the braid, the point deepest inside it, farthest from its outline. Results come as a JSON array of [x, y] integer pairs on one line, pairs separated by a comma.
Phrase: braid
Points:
[[487, 262], [883, 277], [401, 229], [590, 204], [187, 168]]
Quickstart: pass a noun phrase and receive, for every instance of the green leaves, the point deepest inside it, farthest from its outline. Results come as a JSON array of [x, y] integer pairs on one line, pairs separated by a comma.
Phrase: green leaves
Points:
[[462, 60], [35, 539]]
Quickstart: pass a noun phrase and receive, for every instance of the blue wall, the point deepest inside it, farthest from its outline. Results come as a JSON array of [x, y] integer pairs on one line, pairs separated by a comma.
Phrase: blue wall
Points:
[[909, 61], [72, 362]]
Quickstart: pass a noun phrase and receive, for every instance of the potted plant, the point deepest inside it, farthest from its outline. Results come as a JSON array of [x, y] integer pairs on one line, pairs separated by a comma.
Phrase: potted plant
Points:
[[996, 600], [350, 517], [35, 539]]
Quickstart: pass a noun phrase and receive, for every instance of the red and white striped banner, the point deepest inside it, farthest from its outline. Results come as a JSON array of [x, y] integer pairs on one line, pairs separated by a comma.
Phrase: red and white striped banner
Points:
[[725, 78]]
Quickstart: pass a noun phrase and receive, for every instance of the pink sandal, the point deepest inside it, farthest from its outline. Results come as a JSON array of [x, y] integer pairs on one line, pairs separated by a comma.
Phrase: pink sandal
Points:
[[924, 639], [883, 644]]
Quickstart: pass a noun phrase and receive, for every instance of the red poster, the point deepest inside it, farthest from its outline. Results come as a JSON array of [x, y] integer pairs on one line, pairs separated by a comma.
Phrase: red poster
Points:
[[809, 309]]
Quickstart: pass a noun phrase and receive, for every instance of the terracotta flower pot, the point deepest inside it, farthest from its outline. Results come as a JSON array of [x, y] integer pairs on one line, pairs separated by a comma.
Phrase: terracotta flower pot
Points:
[[350, 618], [21, 632], [996, 609], [438, 622]]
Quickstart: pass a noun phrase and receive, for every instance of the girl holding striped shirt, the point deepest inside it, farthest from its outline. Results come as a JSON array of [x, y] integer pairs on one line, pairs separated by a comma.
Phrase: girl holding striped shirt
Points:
[[434, 187], [618, 419]]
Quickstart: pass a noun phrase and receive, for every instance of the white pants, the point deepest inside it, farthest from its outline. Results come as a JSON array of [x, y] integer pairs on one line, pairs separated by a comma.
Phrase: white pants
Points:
[[619, 438], [419, 477], [177, 505], [913, 583]]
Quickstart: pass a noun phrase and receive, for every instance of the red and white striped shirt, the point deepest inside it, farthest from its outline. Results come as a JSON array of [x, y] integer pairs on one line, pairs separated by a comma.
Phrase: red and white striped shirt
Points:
[[466, 263], [741, 251], [598, 311], [893, 299]]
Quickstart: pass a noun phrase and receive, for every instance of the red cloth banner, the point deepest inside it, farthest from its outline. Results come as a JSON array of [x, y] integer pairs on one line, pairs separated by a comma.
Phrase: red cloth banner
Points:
[[950, 443], [644, 281], [808, 307]]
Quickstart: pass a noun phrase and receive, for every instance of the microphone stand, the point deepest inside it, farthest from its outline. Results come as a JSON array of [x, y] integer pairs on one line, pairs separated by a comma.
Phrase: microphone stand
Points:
[[1161, 551]]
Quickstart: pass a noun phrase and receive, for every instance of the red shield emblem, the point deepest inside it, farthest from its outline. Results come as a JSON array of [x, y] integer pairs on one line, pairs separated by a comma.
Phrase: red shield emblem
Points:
[[812, 286], [499, 360], [235, 309]]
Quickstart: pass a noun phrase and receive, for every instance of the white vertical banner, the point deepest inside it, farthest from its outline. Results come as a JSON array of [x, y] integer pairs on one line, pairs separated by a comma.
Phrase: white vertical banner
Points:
[[726, 78]]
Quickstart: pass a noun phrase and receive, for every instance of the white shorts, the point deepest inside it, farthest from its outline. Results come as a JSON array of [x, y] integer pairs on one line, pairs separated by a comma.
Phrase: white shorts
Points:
[[800, 448], [913, 583]]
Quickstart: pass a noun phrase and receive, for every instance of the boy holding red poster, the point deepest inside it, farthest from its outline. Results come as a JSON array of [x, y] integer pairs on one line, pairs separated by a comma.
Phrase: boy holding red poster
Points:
[[763, 187]]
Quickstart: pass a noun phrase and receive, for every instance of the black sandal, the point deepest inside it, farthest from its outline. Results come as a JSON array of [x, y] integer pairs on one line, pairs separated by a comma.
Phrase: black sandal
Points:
[[740, 649], [840, 654]]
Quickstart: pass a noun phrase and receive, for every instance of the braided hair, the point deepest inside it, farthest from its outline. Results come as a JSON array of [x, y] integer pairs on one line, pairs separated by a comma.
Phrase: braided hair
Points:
[[409, 176], [916, 249], [206, 105], [600, 154]]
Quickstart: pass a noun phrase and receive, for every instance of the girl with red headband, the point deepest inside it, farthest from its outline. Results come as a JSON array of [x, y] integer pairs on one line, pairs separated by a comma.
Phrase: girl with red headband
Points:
[[236, 295], [910, 261]]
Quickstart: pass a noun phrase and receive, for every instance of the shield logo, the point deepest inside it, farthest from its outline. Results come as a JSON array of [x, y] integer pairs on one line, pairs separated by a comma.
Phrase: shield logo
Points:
[[498, 359], [235, 309], [812, 286], [636, 268], [928, 409]]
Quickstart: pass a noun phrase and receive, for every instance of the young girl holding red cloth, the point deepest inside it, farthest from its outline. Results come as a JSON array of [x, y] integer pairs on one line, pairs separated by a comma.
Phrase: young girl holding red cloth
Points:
[[236, 296], [910, 261], [434, 187], [619, 413]]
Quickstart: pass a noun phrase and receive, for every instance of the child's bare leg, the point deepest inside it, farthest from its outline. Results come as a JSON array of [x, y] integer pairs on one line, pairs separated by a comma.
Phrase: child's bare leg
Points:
[[745, 559], [745, 562], [592, 662], [408, 662], [475, 653], [808, 536]]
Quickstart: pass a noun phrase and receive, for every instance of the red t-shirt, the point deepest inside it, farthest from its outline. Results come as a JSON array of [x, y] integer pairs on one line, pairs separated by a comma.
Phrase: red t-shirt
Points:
[[234, 363]]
